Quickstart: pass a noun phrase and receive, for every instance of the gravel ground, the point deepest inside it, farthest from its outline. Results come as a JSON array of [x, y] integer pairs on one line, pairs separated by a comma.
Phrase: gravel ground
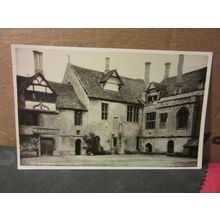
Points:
[[111, 161]]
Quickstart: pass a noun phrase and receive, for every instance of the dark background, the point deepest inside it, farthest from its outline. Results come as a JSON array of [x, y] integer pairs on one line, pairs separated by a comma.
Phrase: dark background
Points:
[[118, 181]]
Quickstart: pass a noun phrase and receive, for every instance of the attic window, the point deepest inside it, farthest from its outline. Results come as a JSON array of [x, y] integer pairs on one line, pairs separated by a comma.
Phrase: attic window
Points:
[[152, 98], [112, 84]]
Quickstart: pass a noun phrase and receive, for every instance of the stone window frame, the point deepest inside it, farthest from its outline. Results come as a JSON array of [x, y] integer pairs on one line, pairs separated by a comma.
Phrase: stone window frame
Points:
[[182, 117], [150, 120], [152, 98], [163, 120], [104, 111], [132, 113], [78, 117]]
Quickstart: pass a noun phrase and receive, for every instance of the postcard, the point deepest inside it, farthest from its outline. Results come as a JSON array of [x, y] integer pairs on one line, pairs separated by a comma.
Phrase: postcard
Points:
[[102, 108]]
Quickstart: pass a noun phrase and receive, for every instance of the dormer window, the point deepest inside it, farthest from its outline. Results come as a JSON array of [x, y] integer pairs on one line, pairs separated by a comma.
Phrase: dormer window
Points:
[[153, 92], [112, 84], [111, 81], [152, 98]]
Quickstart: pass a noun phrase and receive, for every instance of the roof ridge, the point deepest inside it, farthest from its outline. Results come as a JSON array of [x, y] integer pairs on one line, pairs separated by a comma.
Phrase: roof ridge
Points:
[[28, 77], [186, 73], [87, 68], [131, 78], [60, 83], [122, 76]]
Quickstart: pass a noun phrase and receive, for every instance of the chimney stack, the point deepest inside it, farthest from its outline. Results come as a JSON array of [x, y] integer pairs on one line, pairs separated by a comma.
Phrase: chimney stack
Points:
[[38, 62], [180, 69], [107, 64], [167, 70], [147, 74]]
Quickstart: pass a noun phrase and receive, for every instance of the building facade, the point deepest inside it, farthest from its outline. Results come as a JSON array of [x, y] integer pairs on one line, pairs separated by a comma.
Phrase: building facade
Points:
[[49, 115], [128, 115], [172, 112]]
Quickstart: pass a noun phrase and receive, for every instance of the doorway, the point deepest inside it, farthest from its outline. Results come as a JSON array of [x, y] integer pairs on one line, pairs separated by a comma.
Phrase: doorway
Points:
[[115, 141], [137, 143], [78, 147], [47, 146], [148, 148], [170, 147]]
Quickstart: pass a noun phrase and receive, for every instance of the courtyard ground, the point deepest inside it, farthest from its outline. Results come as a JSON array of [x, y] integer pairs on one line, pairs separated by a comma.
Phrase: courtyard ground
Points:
[[111, 161]]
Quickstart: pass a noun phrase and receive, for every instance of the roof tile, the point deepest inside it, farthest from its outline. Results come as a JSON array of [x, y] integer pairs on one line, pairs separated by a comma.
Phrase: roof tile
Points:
[[129, 92]]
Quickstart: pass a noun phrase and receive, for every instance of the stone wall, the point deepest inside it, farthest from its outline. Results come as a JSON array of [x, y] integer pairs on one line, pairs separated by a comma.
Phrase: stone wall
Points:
[[68, 132], [48, 120], [170, 107], [159, 137], [106, 129], [159, 145]]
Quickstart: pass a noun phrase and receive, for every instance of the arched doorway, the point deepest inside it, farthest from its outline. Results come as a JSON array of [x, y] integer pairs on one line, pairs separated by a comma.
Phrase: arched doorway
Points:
[[78, 147], [148, 148], [170, 147]]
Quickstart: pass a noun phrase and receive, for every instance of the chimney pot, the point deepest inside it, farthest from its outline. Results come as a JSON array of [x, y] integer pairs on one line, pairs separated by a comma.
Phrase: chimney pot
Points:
[[180, 69], [38, 62], [147, 74], [107, 64], [167, 70]]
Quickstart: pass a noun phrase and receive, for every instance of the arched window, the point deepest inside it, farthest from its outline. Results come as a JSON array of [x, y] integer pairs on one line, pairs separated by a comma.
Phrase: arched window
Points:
[[170, 147], [182, 118], [148, 148], [78, 147]]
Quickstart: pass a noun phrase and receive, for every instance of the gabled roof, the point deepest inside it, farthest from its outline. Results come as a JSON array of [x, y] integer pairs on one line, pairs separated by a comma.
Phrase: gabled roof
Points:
[[25, 83], [191, 81], [129, 92], [107, 75], [159, 87], [66, 95]]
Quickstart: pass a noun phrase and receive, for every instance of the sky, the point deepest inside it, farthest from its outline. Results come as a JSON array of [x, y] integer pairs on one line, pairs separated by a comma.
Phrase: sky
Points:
[[128, 63]]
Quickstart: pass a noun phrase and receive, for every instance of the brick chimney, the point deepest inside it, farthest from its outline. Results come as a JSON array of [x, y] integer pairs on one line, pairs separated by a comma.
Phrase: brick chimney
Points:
[[180, 69], [147, 74], [38, 62], [107, 64], [167, 70]]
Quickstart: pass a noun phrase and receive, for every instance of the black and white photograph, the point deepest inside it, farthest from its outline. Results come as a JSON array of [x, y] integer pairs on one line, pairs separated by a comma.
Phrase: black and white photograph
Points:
[[100, 108]]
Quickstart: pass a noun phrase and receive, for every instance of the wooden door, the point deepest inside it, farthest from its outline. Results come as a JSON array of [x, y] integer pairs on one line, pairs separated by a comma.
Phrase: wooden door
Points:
[[170, 147], [47, 146], [78, 147]]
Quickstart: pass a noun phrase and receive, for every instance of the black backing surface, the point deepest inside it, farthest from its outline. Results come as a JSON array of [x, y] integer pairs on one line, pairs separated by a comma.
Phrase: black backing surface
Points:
[[13, 180]]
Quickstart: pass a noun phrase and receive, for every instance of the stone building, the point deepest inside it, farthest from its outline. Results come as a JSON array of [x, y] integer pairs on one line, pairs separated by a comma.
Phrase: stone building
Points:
[[172, 112], [114, 105], [129, 115], [49, 115]]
